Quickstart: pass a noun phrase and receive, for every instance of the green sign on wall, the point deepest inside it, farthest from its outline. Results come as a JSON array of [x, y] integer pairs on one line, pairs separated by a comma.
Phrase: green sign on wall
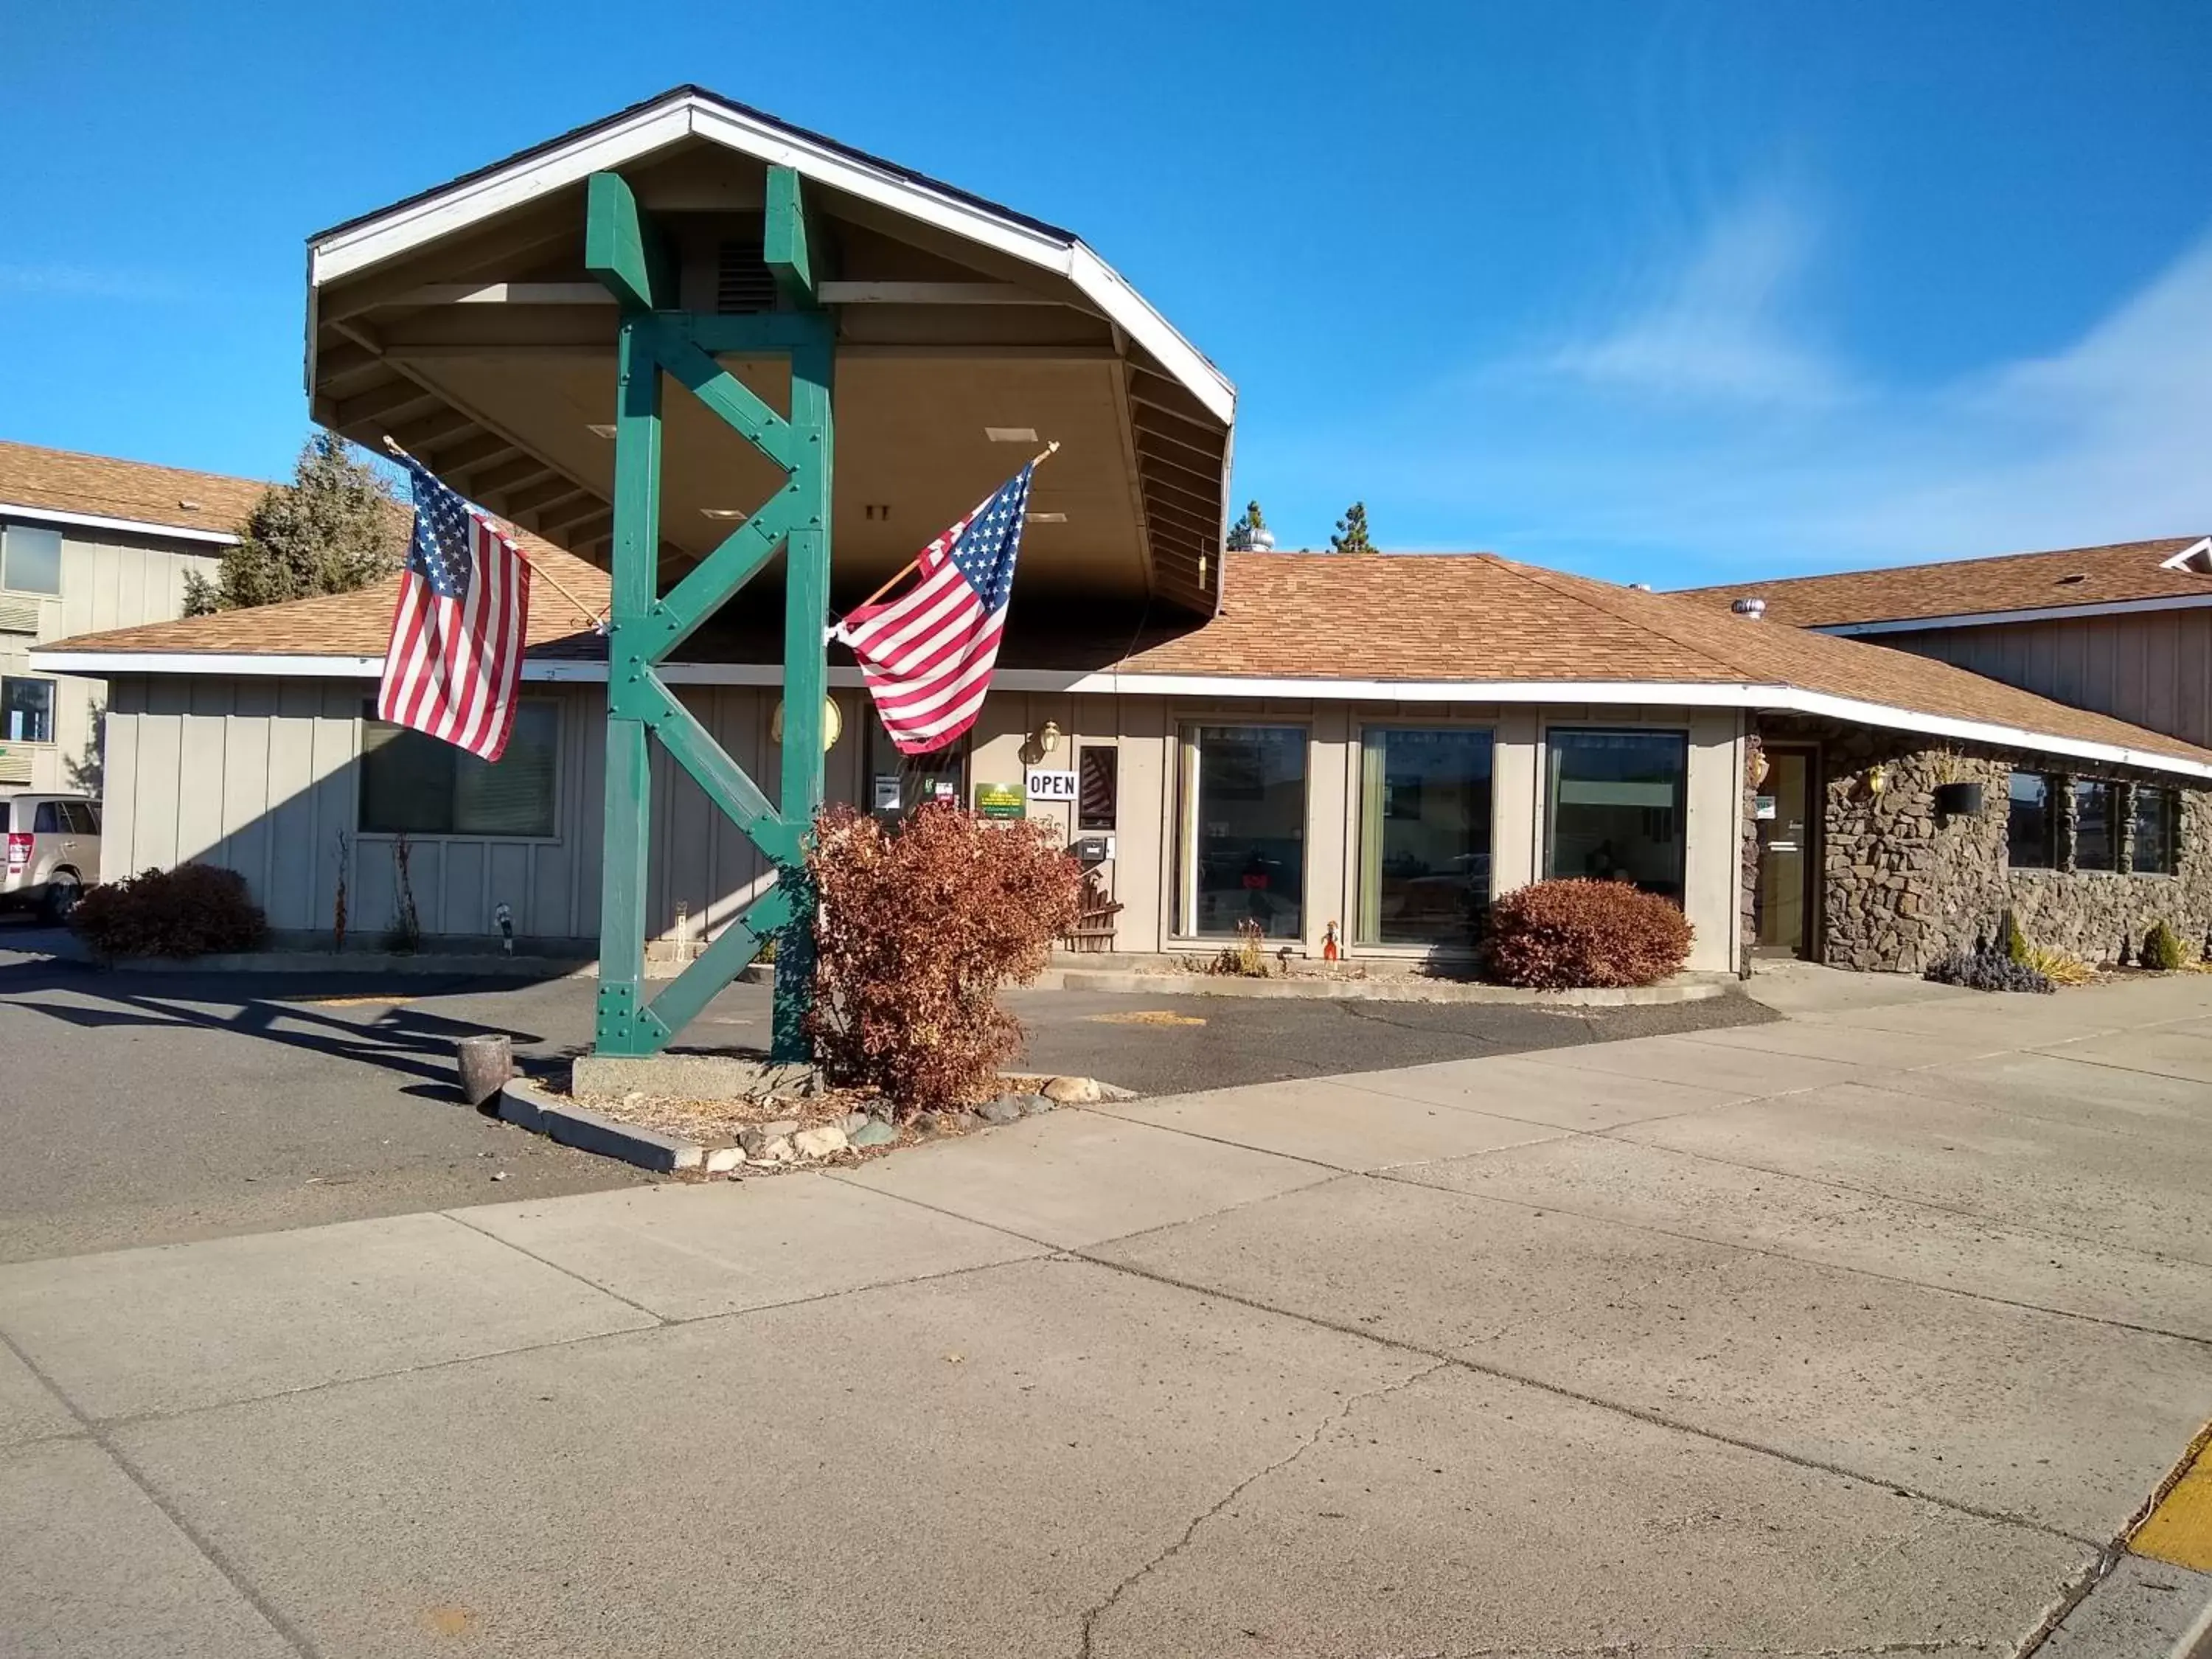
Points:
[[999, 800]]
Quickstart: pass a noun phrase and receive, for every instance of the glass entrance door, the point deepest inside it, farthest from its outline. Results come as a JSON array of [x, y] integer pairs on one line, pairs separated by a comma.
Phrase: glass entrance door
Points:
[[1784, 814]]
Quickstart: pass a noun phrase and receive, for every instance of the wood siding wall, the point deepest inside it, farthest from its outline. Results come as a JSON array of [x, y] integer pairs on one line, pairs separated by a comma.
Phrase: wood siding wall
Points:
[[260, 775], [110, 579], [2152, 669]]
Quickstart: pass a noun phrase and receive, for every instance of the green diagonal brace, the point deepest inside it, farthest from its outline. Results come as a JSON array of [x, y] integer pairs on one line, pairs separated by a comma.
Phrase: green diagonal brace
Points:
[[646, 627]]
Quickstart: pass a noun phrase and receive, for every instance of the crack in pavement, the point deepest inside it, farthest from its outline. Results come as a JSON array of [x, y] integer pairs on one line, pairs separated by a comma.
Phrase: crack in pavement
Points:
[[1334, 1420]]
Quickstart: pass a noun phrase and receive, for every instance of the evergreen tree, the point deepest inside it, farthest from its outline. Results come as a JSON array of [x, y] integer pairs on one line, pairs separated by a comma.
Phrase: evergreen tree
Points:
[[1351, 532], [1241, 537], [334, 528]]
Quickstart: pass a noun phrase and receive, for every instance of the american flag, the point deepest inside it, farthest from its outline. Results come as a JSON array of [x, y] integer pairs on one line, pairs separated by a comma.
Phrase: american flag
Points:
[[455, 661], [928, 657]]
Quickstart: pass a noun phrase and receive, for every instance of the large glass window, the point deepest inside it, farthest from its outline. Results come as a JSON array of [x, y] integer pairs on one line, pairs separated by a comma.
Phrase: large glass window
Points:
[[2031, 829], [2158, 831], [1244, 817], [26, 710], [1617, 801], [1424, 835], [30, 559], [413, 784], [2096, 825]]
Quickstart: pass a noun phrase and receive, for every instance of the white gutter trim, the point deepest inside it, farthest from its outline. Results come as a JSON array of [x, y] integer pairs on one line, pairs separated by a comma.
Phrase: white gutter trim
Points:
[[1990, 618], [394, 234], [1681, 694], [103, 521]]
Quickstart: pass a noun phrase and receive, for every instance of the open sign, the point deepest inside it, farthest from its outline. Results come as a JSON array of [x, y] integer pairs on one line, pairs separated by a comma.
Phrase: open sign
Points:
[[1044, 785]]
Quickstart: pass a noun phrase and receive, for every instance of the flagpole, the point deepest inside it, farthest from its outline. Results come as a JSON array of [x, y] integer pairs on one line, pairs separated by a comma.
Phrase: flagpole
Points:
[[598, 621], [1043, 456]]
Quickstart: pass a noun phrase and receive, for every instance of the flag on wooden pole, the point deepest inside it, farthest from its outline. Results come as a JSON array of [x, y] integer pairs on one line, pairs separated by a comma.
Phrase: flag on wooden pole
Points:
[[927, 656], [454, 665]]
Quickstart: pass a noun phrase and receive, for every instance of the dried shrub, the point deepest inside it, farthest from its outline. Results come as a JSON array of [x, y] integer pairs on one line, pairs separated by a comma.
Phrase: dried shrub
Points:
[[916, 930], [1989, 970], [2162, 949], [1558, 934], [193, 910]]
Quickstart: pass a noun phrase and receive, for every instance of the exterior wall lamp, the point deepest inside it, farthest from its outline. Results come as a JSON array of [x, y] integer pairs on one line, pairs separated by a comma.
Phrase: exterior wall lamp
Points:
[[1877, 778], [1043, 742], [833, 723]]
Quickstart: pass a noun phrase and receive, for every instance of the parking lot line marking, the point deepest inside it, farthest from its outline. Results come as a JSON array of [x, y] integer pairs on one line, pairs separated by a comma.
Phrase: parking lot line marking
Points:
[[1147, 1017]]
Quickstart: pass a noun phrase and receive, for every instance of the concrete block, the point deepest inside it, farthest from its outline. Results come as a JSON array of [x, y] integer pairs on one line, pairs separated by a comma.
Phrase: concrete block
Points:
[[2139, 1612], [685, 1077], [530, 1108]]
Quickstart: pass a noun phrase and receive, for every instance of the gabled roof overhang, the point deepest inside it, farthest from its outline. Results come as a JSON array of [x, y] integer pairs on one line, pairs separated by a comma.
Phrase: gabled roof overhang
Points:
[[462, 321]]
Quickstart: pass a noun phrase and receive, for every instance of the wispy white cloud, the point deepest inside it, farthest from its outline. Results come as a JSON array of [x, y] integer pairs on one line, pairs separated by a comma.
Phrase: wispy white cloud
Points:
[[72, 281], [1720, 327], [1711, 432]]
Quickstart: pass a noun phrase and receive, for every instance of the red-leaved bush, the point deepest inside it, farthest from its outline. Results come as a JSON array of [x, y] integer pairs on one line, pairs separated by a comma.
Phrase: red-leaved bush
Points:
[[192, 910], [1558, 934], [916, 928]]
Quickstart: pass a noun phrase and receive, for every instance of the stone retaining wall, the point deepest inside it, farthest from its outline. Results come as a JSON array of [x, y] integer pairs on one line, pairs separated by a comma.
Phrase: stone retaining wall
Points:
[[1902, 884]]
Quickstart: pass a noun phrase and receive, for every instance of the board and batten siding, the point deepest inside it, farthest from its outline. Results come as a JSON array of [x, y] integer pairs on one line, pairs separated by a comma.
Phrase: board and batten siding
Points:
[[109, 579], [2150, 668], [262, 775]]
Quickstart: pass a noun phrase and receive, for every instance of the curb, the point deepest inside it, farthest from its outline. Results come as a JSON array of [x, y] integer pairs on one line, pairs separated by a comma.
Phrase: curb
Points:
[[527, 1107], [1406, 988]]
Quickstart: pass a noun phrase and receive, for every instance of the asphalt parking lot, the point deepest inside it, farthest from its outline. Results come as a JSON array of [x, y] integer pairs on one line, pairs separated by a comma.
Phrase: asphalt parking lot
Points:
[[151, 1108]]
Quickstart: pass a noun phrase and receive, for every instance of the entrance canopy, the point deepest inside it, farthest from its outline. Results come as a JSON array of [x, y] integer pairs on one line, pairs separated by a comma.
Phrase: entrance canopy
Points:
[[464, 323]]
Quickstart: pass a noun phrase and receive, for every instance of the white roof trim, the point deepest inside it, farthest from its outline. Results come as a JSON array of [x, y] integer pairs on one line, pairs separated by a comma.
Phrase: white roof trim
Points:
[[2198, 556], [1679, 693], [180, 532], [388, 235], [1990, 618]]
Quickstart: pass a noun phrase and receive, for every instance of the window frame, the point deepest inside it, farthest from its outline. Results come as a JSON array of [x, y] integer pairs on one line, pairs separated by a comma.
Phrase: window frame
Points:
[[1183, 890], [468, 837], [2172, 799], [2053, 853], [1094, 823], [8, 530], [1354, 932], [2080, 785], [53, 708], [1547, 805]]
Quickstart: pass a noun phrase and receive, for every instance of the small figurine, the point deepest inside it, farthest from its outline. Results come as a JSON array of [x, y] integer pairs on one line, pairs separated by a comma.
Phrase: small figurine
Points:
[[1328, 951]]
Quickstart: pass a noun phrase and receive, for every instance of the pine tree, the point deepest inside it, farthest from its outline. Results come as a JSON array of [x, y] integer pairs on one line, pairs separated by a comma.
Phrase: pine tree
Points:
[[332, 530], [1241, 537], [1351, 532]]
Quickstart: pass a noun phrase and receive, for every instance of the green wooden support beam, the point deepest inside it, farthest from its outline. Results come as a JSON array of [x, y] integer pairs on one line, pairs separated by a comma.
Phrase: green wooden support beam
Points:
[[754, 332], [623, 248], [787, 247], [681, 1000], [728, 396], [692, 747], [721, 573]]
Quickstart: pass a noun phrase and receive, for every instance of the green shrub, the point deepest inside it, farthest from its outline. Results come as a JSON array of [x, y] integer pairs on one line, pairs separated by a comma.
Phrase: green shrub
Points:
[[917, 928], [192, 910], [2162, 949], [1558, 934], [1989, 970]]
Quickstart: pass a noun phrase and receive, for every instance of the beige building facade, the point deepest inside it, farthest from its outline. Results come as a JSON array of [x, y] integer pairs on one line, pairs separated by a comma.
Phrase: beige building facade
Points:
[[278, 777]]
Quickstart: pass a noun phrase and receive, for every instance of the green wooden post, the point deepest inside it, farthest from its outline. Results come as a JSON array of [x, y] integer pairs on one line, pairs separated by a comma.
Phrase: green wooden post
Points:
[[628, 806], [805, 678], [625, 252]]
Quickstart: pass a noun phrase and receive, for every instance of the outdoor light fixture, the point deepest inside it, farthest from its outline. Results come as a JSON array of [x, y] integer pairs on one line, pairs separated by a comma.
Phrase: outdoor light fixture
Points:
[[1048, 738], [1047, 518], [833, 723], [1011, 435], [597, 429], [1877, 778], [722, 513]]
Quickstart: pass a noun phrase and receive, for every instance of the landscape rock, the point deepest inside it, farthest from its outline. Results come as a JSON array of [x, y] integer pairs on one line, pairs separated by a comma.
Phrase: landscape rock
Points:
[[1004, 1110], [856, 1122], [755, 1137], [873, 1132], [1072, 1091], [1030, 1104], [819, 1142], [925, 1124]]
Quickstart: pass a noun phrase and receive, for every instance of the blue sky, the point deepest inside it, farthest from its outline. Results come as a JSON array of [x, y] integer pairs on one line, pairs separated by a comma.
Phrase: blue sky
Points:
[[1663, 293]]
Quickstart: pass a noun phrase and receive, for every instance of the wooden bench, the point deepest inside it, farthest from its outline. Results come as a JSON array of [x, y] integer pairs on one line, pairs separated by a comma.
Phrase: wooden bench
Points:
[[1094, 920]]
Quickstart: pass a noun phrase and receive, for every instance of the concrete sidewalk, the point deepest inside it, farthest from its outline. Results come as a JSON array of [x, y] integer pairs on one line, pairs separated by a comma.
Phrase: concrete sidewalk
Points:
[[1862, 1332]]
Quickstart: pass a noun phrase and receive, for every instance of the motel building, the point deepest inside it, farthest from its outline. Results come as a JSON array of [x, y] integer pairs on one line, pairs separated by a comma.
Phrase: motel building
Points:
[[639, 341]]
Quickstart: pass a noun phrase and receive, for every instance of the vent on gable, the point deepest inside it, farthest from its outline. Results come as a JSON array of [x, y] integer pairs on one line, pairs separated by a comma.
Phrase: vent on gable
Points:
[[14, 765], [18, 615], [742, 282], [2196, 560]]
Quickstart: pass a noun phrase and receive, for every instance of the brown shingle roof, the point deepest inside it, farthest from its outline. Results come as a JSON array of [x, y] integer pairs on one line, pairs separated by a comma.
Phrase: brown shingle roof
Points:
[[2015, 581], [1454, 618], [63, 481]]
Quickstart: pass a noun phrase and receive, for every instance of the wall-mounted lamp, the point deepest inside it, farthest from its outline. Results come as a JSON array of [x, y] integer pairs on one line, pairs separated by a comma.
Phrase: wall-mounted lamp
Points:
[[1759, 768], [833, 723], [1877, 778], [1041, 743]]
